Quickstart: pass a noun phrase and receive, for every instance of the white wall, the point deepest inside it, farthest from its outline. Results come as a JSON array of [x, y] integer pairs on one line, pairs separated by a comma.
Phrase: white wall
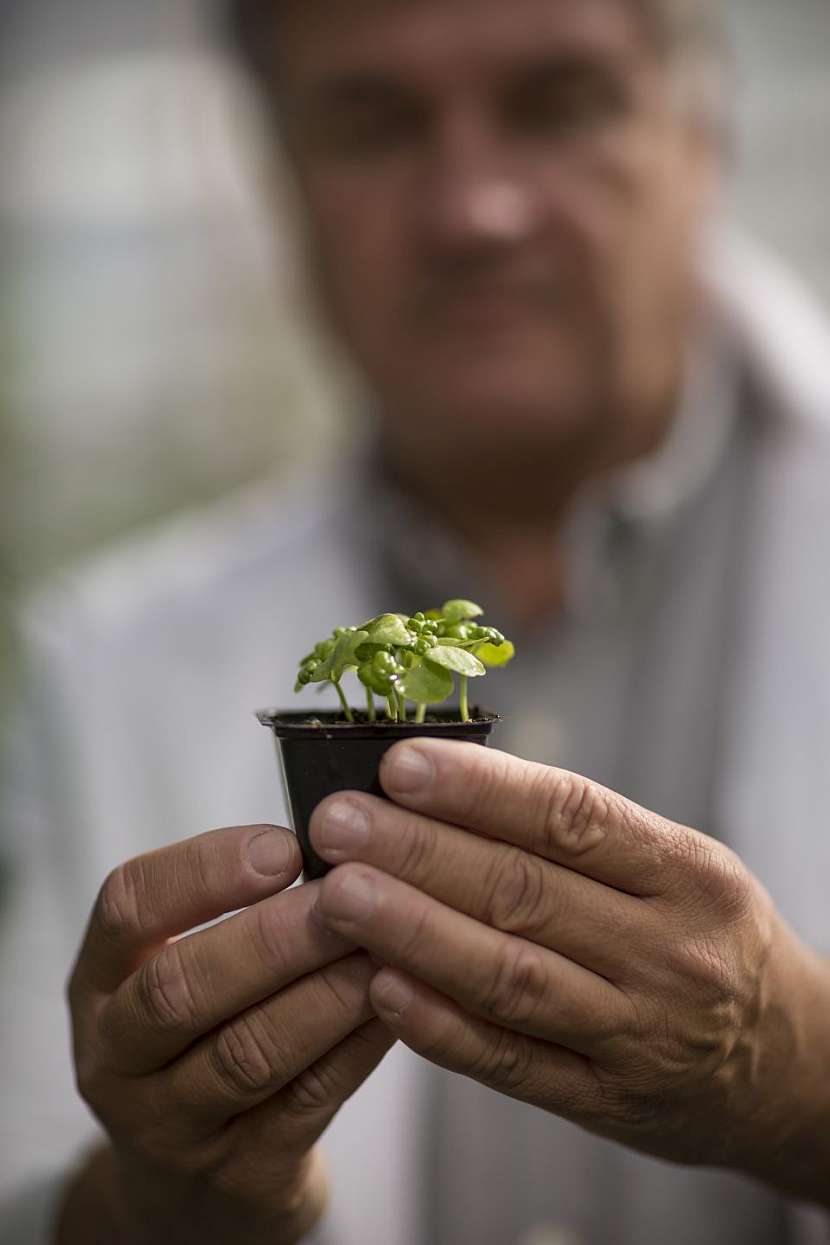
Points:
[[783, 184]]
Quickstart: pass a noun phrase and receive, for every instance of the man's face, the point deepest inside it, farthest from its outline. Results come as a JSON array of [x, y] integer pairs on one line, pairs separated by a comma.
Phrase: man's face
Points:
[[503, 205]]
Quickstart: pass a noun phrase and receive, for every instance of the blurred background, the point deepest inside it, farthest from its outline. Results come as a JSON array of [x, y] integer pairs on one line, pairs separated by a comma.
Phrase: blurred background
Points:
[[155, 350]]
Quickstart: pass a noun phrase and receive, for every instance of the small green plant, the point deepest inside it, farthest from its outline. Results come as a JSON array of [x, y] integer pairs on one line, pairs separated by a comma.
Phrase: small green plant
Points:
[[403, 659]]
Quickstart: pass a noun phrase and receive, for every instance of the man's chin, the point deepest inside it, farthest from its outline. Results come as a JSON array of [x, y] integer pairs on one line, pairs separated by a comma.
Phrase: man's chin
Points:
[[519, 411]]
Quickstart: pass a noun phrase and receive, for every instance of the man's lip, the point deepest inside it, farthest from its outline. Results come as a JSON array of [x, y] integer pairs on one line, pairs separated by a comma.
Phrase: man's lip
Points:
[[493, 299], [489, 309]]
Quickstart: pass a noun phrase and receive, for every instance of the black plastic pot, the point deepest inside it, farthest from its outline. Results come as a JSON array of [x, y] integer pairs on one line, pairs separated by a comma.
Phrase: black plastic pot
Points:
[[322, 753]]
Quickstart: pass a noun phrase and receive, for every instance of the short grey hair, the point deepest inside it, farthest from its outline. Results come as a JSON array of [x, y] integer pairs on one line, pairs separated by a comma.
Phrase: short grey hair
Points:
[[690, 35]]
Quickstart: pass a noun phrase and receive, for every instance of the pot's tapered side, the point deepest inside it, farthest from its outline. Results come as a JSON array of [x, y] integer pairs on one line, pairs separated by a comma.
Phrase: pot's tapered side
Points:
[[321, 754]]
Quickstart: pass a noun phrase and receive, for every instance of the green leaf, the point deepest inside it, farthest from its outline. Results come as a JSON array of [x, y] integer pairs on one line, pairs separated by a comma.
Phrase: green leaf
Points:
[[390, 629], [460, 611], [495, 655], [456, 659], [427, 684], [323, 673], [342, 657], [367, 626]]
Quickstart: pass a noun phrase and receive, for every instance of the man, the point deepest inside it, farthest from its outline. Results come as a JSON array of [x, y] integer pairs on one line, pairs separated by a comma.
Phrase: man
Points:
[[506, 209]]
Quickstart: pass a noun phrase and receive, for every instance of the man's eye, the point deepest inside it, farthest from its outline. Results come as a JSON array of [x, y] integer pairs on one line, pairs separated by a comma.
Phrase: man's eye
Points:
[[561, 108], [368, 132]]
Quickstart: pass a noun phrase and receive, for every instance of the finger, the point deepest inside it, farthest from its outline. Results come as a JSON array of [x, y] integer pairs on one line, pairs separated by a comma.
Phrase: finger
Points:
[[291, 1121], [172, 890], [197, 982], [522, 1067], [262, 1050], [503, 979], [559, 816], [500, 885]]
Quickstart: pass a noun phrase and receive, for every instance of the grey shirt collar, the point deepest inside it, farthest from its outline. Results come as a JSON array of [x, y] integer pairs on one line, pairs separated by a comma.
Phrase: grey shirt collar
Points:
[[632, 509]]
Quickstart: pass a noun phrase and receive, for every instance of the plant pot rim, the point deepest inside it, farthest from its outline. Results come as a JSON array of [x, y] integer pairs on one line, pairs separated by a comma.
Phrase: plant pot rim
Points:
[[294, 724]]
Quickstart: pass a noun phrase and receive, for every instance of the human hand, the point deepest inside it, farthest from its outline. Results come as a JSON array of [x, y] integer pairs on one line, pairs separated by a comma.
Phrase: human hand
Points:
[[560, 944], [215, 1061]]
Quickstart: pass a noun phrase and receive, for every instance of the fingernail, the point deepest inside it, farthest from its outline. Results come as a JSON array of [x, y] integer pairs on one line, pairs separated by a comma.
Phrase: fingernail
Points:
[[270, 853], [407, 770], [391, 993], [343, 828], [350, 896]]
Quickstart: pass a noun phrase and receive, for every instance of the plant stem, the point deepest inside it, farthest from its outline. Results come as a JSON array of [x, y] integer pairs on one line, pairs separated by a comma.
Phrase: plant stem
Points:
[[420, 716], [462, 698], [344, 703], [391, 708], [399, 697], [370, 705]]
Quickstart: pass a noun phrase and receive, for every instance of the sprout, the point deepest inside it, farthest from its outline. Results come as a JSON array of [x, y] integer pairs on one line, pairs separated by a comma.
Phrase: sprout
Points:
[[403, 659]]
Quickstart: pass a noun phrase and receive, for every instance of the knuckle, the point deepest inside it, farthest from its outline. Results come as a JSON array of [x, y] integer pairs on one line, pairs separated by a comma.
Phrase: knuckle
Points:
[[119, 908], [517, 984], [272, 935], [518, 893], [725, 880], [716, 885], [246, 1059], [705, 1032], [346, 984], [165, 993], [572, 813], [417, 850], [417, 933], [505, 1063], [613, 1029], [634, 1102], [315, 1090], [444, 1041], [708, 971]]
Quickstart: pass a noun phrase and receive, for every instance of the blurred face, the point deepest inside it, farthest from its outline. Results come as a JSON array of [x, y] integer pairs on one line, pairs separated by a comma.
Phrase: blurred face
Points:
[[503, 206]]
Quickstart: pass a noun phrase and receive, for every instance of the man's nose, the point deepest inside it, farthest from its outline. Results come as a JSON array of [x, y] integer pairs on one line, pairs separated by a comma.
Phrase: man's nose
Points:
[[475, 194]]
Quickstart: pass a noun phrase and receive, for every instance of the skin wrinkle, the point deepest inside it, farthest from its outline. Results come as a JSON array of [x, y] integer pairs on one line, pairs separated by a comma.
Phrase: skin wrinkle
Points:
[[356, 972], [420, 848], [246, 1057], [269, 934], [117, 911], [165, 995], [516, 986], [517, 890]]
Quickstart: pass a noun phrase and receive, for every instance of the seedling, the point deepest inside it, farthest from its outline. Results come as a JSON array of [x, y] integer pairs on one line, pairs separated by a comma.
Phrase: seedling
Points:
[[407, 660]]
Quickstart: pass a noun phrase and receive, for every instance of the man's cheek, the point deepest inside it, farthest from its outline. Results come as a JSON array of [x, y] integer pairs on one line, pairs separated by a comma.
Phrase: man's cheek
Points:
[[355, 291], [362, 272]]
